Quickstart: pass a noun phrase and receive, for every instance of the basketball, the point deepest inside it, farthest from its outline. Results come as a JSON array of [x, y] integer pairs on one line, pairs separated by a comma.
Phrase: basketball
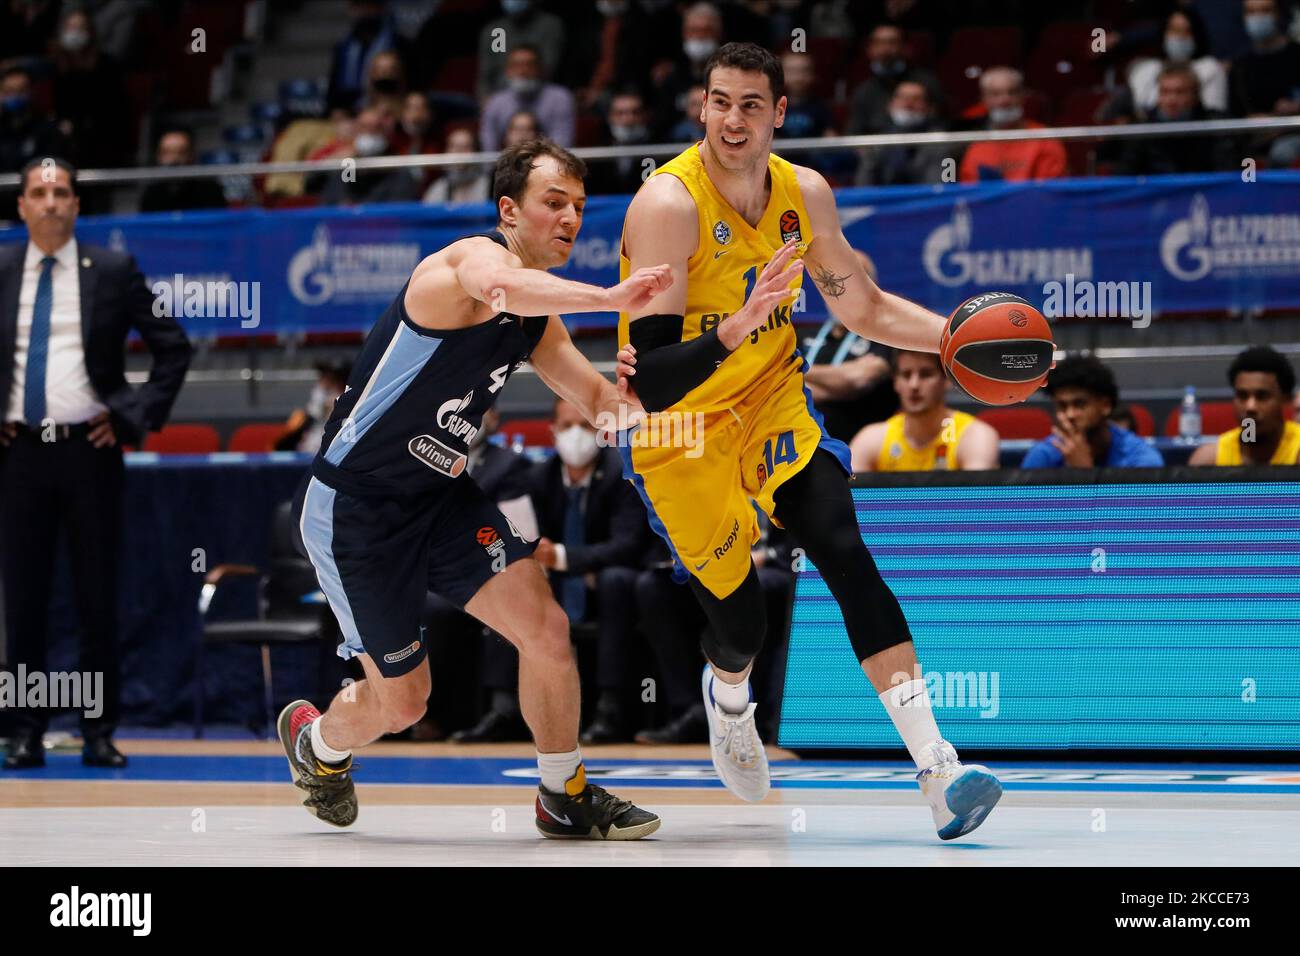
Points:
[[997, 347]]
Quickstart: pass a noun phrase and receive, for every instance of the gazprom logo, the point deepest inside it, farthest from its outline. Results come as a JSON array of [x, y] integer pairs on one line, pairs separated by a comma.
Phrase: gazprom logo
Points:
[[1194, 247], [370, 272], [950, 260]]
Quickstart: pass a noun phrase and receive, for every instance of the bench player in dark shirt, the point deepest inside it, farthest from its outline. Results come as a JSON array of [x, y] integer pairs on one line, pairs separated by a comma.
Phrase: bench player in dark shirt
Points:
[[388, 512]]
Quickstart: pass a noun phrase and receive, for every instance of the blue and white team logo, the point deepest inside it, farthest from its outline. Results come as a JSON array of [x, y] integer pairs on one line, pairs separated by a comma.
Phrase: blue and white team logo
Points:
[[722, 232], [350, 272], [1202, 245]]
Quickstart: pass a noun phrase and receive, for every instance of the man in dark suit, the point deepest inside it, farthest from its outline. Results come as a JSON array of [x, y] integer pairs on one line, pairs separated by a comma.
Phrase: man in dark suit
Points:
[[65, 311], [593, 537]]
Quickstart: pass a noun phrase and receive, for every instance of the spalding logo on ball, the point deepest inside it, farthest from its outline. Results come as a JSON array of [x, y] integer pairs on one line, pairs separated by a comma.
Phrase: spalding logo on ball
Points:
[[997, 348]]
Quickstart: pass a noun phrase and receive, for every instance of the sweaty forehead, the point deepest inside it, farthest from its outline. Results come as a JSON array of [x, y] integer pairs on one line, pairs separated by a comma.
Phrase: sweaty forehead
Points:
[[739, 84]]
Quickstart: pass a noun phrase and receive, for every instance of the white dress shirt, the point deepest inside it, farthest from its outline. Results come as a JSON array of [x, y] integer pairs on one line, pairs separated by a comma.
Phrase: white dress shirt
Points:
[[69, 397], [561, 554]]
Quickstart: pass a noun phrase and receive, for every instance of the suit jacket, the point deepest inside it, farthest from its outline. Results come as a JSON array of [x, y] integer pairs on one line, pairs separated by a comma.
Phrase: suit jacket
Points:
[[502, 474], [114, 300], [616, 526]]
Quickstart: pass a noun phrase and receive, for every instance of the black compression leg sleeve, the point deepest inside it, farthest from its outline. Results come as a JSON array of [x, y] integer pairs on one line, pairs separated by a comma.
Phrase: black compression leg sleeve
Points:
[[737, 623], [816, 507]]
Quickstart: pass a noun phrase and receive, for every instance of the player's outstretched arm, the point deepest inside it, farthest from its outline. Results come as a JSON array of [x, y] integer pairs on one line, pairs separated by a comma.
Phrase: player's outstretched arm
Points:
[[662, 226], [568, 374], [495, 276], [850, 294]]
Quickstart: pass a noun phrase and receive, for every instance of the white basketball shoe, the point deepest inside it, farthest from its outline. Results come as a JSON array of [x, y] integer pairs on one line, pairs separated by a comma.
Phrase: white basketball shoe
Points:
[[738, 754], [960, 795]]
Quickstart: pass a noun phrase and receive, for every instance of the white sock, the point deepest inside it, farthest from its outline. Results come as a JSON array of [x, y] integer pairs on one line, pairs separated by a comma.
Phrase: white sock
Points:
[[732, 698], [559, 769], [908, 706], [324, 751]]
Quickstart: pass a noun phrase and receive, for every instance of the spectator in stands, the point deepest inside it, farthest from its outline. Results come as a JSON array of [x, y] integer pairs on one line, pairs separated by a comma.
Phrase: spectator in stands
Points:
[[25, 133], [612, 55], [1186, 42], [806, 116], [525, 24], [176, 148], [344, 130], [349, 187], [1123, 416], [671, 79], [553, 105], [593, 534], [386, 83], [1002, 90], [848, 376], [467, 182], [926, 434], [505, 476], [306, 426], [690, 128], [1266, 81], [627, 122], [522, 127], [90, 95], [413, 136], [1084, 393], [115, 26], [69, 408], [910, 111], [372, 32], [1178, 101], [1262, 381], [26, 27], [869, 112]]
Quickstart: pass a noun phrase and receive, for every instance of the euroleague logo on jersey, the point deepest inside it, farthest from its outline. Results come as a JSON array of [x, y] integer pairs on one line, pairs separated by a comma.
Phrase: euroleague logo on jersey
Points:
[[486, 536], [790, 226]]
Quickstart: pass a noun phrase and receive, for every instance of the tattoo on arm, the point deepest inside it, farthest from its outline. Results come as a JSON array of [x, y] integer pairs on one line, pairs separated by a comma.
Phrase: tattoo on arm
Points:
[[830, 284]]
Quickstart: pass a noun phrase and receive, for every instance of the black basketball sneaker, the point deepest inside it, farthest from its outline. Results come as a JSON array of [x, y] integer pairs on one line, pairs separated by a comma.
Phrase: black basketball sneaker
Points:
[[331, 795], [587, 812]]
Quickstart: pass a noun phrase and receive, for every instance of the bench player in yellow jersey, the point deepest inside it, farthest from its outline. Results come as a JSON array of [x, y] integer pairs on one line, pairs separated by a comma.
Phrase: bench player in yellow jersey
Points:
[[1262, 381], [738, 226], [925, 435]]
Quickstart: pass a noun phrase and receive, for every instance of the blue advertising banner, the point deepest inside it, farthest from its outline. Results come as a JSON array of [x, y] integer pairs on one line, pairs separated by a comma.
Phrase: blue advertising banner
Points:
[[1114, 247]]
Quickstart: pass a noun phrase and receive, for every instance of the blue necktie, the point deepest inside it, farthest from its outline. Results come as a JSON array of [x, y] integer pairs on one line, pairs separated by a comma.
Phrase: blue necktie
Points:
[[573, 590], [38, 347]]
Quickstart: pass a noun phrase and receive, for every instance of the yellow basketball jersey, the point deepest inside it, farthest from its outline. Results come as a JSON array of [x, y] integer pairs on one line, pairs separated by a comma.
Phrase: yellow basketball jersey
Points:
[[1288, 449], [728, 257], [898, 454]]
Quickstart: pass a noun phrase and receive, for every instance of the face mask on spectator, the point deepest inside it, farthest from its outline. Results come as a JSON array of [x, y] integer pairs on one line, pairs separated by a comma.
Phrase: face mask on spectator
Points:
[[74, 40], [1260, 26], [370, 144], [16, 104], [628, 133], [699, 49], [576, 446], [513, 8], [1179, 48], [888, 67], [524, 85], [905, 119], [611, 8], [1006, 115]]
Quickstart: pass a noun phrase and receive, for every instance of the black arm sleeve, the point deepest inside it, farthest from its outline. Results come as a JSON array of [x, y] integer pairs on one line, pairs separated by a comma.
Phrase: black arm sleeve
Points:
[[666, 367]]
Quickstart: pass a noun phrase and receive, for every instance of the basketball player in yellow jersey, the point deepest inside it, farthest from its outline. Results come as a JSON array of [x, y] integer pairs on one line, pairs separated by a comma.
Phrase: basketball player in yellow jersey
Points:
[[925, 435], [1262, 381], [737, 227]]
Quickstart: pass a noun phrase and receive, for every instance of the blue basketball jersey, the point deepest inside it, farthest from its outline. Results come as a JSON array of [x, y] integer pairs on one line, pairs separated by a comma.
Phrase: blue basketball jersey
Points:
[[415, 399]]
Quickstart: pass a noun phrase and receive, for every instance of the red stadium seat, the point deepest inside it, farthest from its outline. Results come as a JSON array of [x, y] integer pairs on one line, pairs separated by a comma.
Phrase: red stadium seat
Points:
[[184, 440], [1142, 418], [970, 52], [536, 431], [1063, 60], [1017, 423], [255, 438], [1216, 418]]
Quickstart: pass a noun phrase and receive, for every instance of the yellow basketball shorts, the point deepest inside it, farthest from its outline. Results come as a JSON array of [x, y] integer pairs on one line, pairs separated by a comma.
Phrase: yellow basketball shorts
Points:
[[702, 499]]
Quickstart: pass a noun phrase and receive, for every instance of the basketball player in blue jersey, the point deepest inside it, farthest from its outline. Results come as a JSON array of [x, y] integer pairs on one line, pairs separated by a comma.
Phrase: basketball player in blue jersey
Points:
[[388, 512]]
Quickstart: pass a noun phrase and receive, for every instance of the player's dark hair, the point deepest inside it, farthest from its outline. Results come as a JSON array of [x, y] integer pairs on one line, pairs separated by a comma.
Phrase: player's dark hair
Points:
[[751, 58], [516, 162], [1264, 358], [57, 162], [1085, 372]]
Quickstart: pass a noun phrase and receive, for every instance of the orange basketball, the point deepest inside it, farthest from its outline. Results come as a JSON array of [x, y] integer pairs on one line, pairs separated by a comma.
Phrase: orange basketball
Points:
[[997, 348]]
